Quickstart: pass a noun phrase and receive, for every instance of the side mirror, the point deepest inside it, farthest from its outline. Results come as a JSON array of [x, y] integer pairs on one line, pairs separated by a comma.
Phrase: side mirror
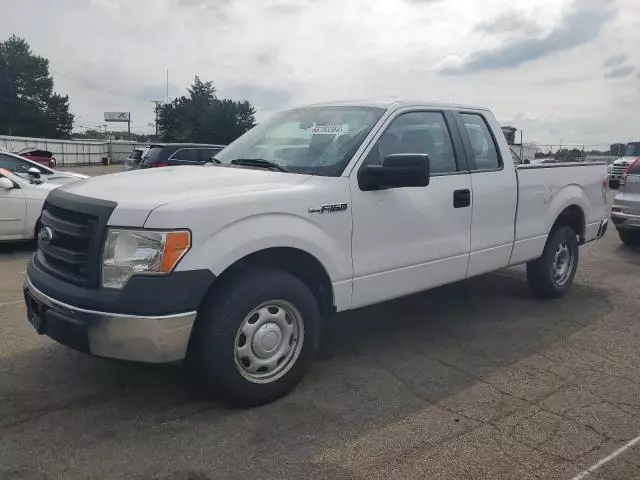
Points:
[[34, 172], [6, 184], [398, 170]]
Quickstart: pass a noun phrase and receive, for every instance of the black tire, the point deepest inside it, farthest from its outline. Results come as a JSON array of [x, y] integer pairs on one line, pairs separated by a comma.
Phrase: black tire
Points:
[[53, 163], [541, 272], [614, 185], [629, 238], [217, 332]]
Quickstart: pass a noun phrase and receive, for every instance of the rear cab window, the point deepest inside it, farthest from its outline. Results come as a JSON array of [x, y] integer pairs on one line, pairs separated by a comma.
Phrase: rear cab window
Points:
[[483, 145]]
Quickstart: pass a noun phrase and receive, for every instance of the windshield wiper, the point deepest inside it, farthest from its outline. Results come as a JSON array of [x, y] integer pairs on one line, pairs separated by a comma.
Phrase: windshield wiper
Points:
[[259, 162]]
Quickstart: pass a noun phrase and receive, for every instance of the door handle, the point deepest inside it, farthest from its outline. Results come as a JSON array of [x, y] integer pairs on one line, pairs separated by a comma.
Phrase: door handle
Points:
[[461, 198]]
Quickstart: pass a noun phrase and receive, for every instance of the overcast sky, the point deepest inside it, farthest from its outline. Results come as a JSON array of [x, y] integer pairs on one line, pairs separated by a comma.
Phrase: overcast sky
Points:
[[555, 68]]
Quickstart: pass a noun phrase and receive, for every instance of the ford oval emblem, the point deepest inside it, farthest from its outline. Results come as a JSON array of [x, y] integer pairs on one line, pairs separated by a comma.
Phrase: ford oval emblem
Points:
[[46, 234]]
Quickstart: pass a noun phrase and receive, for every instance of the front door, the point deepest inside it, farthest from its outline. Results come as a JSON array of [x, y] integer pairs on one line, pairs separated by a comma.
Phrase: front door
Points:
[[410, 239]]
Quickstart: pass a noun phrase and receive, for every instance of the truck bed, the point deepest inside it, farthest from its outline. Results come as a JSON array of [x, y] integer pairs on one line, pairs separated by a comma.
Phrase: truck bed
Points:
[[544, 191]]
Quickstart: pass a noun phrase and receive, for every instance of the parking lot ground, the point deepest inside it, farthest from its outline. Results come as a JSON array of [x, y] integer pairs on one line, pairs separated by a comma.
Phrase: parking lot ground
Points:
[[476, 380]]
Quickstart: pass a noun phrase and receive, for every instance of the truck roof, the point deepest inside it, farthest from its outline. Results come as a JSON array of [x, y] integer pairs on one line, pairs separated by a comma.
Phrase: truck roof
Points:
[[396, 103]]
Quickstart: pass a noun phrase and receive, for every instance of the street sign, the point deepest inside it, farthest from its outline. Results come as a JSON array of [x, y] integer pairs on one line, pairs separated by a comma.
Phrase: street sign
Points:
[[117, 116]]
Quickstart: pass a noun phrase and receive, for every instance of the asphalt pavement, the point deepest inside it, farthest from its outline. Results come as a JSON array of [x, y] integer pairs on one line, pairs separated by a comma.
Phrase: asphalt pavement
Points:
[[475, 380]]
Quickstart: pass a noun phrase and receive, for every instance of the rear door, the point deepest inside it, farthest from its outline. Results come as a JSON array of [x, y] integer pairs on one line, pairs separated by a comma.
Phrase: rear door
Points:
[[495, 193]]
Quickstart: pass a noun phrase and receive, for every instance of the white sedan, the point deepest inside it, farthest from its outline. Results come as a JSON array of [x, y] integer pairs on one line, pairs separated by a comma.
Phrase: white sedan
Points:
[[21, 202], [30, 170]]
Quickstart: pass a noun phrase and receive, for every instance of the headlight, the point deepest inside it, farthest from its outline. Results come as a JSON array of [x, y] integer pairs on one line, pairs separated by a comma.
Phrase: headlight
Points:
[[141, 252]]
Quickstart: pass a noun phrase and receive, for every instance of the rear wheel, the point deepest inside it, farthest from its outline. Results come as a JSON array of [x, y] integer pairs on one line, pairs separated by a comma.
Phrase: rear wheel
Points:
[[256, 337], [551, 275], [629, 238]]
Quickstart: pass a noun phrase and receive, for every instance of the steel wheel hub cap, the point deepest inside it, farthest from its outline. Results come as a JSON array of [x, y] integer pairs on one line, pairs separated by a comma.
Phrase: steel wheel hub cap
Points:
[[269, 341], [562, 264]]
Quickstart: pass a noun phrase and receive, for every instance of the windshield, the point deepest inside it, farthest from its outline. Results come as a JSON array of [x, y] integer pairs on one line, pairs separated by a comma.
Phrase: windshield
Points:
[[313, 140], [632, 149]]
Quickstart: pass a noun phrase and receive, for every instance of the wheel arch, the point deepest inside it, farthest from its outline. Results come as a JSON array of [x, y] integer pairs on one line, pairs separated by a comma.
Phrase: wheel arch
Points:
[[574, 217], [297, 262]]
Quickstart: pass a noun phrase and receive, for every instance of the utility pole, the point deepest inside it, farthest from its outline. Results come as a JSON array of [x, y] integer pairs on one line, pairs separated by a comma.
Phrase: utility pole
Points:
[[157, 104]]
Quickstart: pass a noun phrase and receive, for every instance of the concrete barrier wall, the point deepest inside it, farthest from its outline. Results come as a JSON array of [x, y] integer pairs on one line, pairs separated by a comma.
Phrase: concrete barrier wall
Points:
[[73, 152]]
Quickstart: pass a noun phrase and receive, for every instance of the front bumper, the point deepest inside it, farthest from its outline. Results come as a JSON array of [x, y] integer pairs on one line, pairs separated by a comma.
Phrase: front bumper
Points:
[[141, 338], [625, 221]]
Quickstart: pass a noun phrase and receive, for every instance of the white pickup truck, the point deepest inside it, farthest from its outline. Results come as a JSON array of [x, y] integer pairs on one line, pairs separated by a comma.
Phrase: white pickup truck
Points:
[[319, 209]]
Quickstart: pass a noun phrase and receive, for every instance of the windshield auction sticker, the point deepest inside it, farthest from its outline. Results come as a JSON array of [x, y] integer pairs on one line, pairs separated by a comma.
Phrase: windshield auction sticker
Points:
[[330, 130]]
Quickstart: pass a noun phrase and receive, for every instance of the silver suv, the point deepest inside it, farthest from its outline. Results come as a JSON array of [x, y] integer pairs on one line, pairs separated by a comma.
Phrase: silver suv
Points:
[[625, 212]]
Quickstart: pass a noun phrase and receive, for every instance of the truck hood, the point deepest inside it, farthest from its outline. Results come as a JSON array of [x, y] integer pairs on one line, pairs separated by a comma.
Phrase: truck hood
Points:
[[624, 160], [137, 192]]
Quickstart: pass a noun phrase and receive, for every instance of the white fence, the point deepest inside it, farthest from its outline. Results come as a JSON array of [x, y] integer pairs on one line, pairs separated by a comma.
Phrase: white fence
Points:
[[73, 152]]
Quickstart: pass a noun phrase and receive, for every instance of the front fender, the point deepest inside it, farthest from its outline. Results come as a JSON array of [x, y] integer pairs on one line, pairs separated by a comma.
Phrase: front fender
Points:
[[259, 232]]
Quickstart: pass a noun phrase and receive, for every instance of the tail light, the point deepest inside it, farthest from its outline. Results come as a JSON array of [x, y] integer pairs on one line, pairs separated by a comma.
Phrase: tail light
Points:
[[623, 178], [157, 165]]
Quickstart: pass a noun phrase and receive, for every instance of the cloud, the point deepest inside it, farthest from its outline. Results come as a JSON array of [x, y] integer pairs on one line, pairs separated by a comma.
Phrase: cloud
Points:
[[619, 72], [509, 21], [562, 80], [264, 99], [615, 60], [581, 24]]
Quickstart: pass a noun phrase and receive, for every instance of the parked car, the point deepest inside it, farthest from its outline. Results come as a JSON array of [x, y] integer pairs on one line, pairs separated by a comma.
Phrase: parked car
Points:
[[176, 154], [133, 159], [234, 266], [21, 202], [43, 157], [617, 169], [29, 169], [625, 212]]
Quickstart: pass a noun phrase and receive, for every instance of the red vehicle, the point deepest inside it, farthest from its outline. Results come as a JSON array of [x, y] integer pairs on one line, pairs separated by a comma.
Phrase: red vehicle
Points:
[[43, 157]]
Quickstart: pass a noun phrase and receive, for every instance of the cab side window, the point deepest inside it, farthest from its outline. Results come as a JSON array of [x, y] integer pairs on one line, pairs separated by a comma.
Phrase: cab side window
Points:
[[484, 148], [417, 132]]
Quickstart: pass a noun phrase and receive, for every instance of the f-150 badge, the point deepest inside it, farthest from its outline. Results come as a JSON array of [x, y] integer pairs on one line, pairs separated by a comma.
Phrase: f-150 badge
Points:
[[330, 208]]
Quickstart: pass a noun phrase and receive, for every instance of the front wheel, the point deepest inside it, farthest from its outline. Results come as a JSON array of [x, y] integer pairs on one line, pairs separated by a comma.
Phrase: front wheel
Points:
[[53, 163], [256, 337], [629, 238], [551, 275]]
